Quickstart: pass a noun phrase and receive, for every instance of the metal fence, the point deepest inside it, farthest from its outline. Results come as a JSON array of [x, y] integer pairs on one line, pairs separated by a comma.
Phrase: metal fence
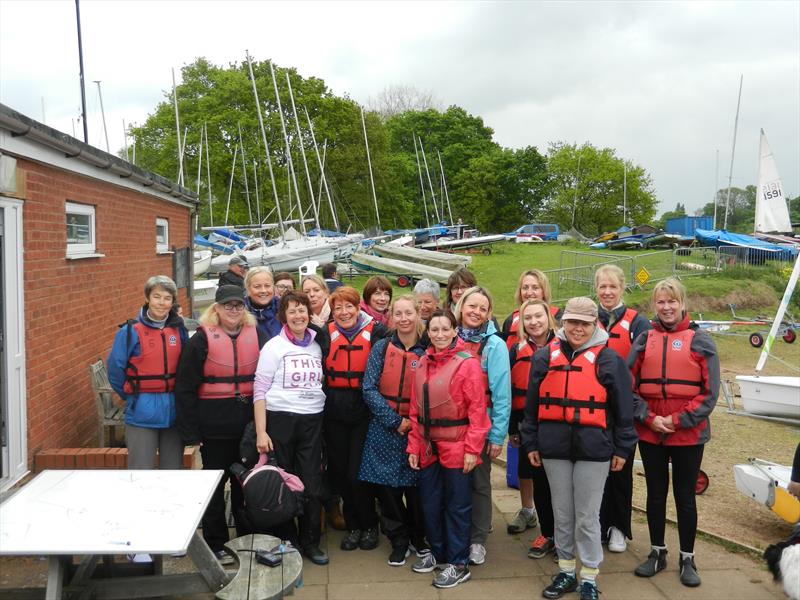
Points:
[[576, 275]]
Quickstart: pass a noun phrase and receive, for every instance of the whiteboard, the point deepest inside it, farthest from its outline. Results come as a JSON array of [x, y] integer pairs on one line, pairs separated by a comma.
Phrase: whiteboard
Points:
[[106, 512]]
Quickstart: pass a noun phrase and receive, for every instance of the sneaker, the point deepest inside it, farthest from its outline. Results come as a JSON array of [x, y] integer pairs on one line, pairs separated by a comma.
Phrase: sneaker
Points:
[[589, 590], [426, 564], [350, 541], [451, 576], [522, 521], [316, 555], [656, 561], [541, 547], [616, 540], [224, 557], [477, 554], [368, 539], [562, 583], [689, 576], [140, 558], [398, 556]]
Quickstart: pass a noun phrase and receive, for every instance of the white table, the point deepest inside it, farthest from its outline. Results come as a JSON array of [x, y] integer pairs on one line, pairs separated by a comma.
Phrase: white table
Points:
[[102, 513]]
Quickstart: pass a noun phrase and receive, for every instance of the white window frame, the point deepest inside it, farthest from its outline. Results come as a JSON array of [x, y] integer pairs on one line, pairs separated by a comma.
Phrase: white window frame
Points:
[[162, 247], [79, 250]]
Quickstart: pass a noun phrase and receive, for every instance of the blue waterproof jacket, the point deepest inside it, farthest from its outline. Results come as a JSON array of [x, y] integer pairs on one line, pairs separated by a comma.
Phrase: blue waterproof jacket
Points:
[[147, 409]]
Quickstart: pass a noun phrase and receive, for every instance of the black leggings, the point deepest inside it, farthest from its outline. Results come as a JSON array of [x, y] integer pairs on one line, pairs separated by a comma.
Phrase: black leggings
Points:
[[686, 462]]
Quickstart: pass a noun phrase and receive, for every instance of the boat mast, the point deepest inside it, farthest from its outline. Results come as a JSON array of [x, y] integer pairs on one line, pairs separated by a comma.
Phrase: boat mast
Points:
[[266, 146], [733, 150], [255, 186], [200, 163], [776, 323], [430, 184], [624, 194], [244, 171], [322, 172], [102, 114], [83, 83], [230, 184], [177, 129], [289, 162], [208, 178], [421, 183], [444, 185], [303, 154], [124, 140], [369, 164]]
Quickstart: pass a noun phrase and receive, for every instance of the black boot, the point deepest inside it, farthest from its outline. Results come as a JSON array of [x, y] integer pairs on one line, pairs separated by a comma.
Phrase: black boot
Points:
[[689, 576], [656, 561]]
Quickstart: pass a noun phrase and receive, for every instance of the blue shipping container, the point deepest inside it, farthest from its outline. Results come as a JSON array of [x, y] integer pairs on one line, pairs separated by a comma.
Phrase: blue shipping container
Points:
[[688, 225]]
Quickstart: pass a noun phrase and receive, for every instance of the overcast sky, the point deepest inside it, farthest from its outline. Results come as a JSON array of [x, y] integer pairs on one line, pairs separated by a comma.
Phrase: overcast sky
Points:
[[656, 81]]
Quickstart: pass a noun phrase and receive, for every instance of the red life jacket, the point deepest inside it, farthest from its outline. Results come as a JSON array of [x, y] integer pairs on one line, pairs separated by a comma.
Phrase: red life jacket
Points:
[[513, 329], [398, 377], [570, 392], [347, 361], [520, 372], [619, 336], [441, 419], [668, 370], [154, 369], [476, 348], [230, 365]]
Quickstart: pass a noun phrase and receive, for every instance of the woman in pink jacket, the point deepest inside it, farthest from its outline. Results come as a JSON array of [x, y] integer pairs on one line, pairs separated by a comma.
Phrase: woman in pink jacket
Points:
[[449, 424]]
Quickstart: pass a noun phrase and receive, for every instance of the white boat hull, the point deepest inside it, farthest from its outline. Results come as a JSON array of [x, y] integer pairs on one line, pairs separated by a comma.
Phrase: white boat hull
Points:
[[284, 257], [766, 483], [369, 262], [202, 261], [442, 260], [203, 292], [770, 396]]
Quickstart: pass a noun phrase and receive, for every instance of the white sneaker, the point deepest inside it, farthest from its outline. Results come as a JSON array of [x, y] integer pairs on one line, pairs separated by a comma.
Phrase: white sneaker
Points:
[[477, 554], [616, 540]]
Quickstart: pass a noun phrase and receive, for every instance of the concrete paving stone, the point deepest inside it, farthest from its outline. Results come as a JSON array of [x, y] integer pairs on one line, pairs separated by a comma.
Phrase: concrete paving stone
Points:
[[367, 566], [485, 589], [625, 586], [310, 592], [419, 588], [717, 585]]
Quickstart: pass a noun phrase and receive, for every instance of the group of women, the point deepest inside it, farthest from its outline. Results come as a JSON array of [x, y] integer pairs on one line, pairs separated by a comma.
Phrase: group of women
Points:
[[404, 405]]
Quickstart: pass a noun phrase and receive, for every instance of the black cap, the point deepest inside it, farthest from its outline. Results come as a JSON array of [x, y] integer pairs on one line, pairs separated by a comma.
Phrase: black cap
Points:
[[227, 293], [238, 260]]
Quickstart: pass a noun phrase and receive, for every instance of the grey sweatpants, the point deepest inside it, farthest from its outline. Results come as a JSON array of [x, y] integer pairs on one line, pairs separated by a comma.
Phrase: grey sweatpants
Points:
[[143, 442], [481, 499], [577, 492]]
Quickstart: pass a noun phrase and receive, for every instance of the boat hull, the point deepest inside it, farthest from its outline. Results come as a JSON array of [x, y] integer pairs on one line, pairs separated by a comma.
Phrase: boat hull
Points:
[[441, 260], [770, 396], [766, 483], [369, 262], [202, 261]]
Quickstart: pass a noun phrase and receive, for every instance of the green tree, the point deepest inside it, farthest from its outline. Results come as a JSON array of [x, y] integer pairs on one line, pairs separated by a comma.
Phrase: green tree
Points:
[[586, 189], [741, 208]]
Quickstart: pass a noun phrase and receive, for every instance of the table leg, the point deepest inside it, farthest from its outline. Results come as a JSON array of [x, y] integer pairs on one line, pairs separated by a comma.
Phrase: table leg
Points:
[[55, 576], [207, 564]]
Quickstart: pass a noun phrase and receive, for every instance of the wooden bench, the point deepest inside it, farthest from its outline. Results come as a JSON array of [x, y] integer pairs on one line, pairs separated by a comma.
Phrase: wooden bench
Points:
[[260, 582], [109, 414]]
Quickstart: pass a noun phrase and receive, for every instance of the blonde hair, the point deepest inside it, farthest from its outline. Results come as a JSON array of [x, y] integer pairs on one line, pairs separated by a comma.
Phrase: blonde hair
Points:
[[415, 304], [673, 288], [612, 272], [476, 289], [551, 322], [544, 283], [210, 318], [257, 271], [316, 279]]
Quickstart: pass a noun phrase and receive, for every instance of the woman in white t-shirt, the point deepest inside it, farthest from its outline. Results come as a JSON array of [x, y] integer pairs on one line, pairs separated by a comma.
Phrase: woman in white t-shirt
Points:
[[288, 402]]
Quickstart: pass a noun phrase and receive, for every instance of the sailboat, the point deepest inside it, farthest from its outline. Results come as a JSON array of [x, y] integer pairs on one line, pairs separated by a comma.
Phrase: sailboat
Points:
[[772, 211]]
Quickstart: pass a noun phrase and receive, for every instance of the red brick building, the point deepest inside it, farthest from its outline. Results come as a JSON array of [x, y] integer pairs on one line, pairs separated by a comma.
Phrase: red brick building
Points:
[[80, 232]]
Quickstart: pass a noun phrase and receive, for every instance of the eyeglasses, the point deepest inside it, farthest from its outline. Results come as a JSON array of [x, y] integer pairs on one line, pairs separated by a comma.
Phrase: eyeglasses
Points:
[[233, 307], [283, 287]]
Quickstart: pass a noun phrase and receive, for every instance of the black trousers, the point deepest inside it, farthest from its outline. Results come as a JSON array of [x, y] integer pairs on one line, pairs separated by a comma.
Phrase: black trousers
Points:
[[542, 499], [221, 454], [686, 462], [297, 440], [345, 443], [615, 511], [401, 515]]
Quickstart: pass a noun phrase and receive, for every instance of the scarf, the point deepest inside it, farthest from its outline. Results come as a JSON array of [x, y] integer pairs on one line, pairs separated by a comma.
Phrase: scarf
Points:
[[380, 317], [266, 316], [466, 334], [350, 332], [307, 337], [321, 319]]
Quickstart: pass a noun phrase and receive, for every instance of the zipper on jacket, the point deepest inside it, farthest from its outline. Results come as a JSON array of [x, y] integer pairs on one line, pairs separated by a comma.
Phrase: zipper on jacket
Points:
[[166, 366], [664, 368]]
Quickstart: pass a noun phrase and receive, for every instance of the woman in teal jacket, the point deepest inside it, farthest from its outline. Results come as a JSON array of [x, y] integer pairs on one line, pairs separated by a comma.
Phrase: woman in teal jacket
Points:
[[479, 332], [137, 372]]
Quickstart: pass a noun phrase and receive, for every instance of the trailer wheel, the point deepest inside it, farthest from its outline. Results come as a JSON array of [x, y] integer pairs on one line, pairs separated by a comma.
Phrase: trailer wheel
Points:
[[403, 281], [790, 336], [756, 340], [701, 485], [486, 251]]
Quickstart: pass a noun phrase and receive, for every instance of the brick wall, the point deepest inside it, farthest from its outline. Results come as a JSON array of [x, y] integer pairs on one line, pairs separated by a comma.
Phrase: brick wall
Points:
[[73, 307]]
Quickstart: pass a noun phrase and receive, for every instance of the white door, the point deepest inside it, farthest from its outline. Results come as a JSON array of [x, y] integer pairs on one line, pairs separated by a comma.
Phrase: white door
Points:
[[13, 430]]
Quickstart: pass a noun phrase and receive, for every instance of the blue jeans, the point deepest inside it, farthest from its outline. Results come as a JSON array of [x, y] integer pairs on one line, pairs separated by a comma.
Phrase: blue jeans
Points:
[[446, 499]]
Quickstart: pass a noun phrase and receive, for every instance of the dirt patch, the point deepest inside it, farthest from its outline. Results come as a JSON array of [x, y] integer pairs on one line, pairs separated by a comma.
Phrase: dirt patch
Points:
[[756, 296]]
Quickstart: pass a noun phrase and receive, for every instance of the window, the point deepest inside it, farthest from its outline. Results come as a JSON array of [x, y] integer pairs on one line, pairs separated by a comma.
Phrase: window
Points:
[[80, 229], [162, 235]]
